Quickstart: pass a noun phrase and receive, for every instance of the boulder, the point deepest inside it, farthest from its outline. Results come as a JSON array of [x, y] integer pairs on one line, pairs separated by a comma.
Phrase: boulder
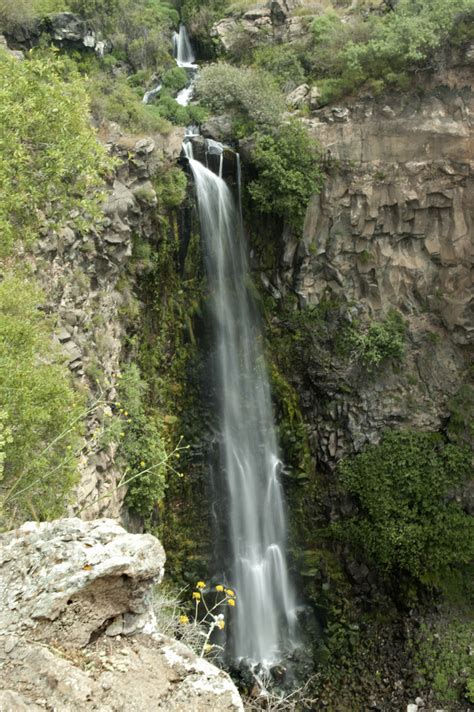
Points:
[[70, 29], [299, 97], [78, 630]]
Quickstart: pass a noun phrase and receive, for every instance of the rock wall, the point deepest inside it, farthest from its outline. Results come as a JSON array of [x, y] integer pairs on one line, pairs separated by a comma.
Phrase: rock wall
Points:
[[89, 288], [392, 228], [78, 629], [272, 21]]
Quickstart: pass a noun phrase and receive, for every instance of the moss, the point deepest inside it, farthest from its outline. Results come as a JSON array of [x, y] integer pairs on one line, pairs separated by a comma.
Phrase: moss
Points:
[[442, 659]]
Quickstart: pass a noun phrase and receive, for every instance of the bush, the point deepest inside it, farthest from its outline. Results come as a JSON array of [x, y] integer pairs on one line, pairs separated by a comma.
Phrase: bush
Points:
[[288, 173], [116, 101], [383, 48], [14, 13], [175, 79], [168, 108], [39, 409], [380, 340], [50, 161], [408, 521], [283, 62], [251, 95], [141, 448]]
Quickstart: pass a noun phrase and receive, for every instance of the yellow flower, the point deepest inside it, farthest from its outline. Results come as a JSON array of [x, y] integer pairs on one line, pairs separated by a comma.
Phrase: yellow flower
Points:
[[184, 620], [219, 588], [200, 584], [208, 647], [142, 464], [221, 624], [230, 592], [196, 596], [231, 602]]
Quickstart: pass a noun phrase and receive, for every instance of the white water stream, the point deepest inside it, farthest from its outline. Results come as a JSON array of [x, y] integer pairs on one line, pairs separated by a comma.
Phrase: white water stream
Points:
[[265, 610]]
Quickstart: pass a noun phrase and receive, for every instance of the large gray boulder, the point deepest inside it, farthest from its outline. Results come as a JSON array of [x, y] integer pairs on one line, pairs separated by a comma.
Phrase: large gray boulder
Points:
[[77, 628]]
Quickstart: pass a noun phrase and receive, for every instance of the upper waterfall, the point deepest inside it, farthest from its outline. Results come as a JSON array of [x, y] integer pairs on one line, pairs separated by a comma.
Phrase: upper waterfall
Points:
[[182, 48], [265, 613]]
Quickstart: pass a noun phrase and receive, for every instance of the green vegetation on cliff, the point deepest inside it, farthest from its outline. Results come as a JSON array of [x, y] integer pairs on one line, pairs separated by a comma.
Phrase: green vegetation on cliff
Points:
[[408, 519], [40, 411], [51, 164]]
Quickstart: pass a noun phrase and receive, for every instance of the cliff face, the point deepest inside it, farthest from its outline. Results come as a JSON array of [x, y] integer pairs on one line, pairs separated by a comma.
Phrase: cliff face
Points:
[[392, 229], [91, 291]]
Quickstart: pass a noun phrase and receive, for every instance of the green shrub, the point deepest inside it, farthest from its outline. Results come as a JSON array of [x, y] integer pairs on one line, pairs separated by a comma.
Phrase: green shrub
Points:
[[168, 108], [383, 48], [288, 173], [461, 421], [251, 95], [171, 186], [50, 161], [442, 660], [283, 62], [380, 340], [175, 78], [14, 13], [199, 16], [116, 101], [40, 410], [141, 448], [408, 520]]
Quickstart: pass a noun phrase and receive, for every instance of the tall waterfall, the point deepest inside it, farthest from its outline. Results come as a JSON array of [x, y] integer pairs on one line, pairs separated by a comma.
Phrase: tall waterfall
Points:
[[183, 51], [265, 611]]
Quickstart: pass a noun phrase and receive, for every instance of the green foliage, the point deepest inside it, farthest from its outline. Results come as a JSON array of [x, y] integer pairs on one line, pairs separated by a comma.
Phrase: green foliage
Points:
[[199, 16], [250, 95], [288, 173], [171, 186], [382, 49], [408, 520], [283, 62], [136, 18], [442, 660], [168, 108], [117, 101], [40, 411], [50, 161], [461, 421], [14, 13], [175, 78], [379, 341], [141, 445]]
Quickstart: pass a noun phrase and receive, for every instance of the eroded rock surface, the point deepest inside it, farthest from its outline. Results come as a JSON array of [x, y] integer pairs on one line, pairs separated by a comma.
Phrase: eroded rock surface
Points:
[[85, 278], [392, 229], [272, 21], [78, 630]]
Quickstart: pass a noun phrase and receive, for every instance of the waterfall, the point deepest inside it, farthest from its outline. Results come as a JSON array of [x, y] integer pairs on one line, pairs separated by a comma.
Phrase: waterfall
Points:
[[265, 610], [183, 51], [149, 95]]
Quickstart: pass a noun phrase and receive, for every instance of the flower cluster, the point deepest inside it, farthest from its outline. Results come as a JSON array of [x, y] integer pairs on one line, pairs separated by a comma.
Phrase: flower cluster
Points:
[[208, 616]]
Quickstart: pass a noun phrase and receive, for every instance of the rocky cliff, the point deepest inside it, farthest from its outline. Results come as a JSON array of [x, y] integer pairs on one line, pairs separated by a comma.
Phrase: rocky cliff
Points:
[[79, 630], [391, 229]]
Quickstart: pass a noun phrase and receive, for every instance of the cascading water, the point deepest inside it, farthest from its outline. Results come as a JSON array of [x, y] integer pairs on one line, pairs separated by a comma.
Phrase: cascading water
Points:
[[183, 51], [185, 58], [265, 611]]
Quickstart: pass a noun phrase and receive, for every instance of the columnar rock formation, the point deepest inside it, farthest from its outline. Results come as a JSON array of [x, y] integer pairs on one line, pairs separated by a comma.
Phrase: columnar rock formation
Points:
[[392, 228]]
